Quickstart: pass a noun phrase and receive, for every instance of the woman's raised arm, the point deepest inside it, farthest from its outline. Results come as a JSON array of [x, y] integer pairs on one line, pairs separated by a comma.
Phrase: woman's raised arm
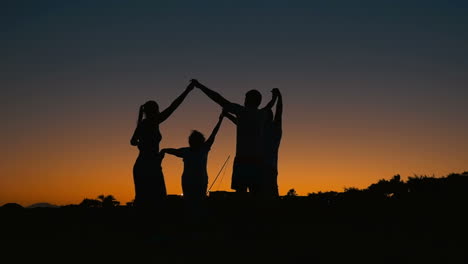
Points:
[[169, 110]]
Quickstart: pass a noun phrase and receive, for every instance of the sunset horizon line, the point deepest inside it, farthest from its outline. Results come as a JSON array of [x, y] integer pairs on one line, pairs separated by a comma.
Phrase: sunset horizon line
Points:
[[285, 194]]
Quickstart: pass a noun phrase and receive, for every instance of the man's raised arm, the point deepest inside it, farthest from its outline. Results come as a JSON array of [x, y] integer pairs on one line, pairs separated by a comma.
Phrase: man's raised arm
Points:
[[217, 98], [273, 99]]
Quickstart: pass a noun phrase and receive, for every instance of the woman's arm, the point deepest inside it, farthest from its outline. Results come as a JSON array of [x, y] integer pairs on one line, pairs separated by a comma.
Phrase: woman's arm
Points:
[[140, 115], [135, 138], [212, 137], [169, 110], [136, 133]]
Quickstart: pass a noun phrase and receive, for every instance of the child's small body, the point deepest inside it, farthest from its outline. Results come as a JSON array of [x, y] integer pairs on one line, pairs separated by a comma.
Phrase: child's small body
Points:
[[195, 157], [195, 175]]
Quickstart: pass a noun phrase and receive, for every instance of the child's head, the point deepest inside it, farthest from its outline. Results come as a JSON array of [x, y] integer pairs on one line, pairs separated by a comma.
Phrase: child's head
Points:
[[196, 139]]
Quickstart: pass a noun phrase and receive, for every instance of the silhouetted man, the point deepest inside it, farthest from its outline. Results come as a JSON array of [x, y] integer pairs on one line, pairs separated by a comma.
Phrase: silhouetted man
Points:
[[272, 138], [248, 163]]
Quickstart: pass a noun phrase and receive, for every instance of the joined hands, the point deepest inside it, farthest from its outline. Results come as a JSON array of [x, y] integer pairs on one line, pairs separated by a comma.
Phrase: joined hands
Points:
[[195, 83], [275, 92], [223, 114]]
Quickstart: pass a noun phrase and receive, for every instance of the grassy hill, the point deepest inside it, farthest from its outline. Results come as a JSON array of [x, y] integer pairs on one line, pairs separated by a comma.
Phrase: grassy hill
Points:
[[385, 223]]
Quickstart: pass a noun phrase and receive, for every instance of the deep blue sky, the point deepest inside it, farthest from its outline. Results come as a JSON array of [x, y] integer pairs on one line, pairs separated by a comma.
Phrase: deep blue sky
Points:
[[246, 40]]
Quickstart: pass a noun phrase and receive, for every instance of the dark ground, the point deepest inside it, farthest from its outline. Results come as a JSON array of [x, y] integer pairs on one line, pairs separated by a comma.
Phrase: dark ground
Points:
[[296, 229]]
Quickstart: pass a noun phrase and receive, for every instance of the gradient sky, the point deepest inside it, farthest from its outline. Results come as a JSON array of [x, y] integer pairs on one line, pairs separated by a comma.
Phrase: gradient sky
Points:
[[370, 89]]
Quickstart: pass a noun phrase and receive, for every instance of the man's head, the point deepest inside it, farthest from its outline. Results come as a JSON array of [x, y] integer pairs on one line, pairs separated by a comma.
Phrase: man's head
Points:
[[253, 98]]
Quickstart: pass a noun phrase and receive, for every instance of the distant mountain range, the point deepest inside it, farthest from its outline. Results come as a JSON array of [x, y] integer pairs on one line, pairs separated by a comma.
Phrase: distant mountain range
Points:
[[47, 205]]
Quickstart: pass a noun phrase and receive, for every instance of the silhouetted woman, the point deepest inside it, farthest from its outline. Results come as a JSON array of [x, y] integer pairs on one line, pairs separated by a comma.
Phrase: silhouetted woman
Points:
[[150, 188]]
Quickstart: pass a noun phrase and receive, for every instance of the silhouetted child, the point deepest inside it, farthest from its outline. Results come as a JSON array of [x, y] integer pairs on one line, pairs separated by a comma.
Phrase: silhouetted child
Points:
[[195, 157]]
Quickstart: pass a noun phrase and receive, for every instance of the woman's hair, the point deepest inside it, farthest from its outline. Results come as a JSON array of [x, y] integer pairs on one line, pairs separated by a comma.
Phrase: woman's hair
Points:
[[196, 139], [151, 108]]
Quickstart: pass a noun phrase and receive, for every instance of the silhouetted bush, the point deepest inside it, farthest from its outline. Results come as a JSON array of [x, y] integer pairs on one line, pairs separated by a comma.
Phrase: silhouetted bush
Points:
[[292, 193], [102, 201], [388, 188], [453, 186], [108, 201]]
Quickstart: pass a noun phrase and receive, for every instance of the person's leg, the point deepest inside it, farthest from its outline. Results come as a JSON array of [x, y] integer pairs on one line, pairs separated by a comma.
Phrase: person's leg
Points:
[[275, 183], [241, 189], [236, 177], [255, 174], [270, 188]]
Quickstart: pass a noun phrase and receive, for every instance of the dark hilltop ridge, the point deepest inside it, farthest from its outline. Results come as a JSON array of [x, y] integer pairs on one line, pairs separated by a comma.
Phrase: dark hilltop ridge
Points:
[[420, 220], [43, 205]]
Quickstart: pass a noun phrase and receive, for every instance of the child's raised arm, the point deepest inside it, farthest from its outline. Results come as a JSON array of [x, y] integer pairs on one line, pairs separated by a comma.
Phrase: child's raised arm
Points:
[[230, 117], [212, 137]]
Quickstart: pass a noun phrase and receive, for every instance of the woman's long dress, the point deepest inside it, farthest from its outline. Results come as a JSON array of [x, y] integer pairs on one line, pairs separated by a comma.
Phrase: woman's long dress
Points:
[[150, 188]]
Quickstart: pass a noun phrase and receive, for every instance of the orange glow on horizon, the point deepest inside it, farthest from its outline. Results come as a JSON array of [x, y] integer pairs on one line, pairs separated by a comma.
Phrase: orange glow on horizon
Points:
[[65, 174]]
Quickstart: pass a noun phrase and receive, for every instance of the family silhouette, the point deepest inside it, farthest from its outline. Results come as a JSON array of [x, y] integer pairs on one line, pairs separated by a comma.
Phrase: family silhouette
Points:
[[255, 167]]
